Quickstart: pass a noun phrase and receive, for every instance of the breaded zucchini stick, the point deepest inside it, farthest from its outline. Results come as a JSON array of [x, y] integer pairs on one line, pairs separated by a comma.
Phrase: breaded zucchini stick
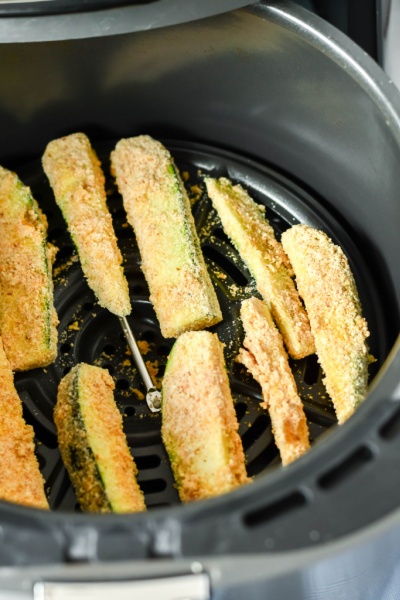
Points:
[[75, 175], [266, 359], [327, 286], [92, 443], [199, 425], [28, 320], [254, 239], [20, 478], [159, 211]]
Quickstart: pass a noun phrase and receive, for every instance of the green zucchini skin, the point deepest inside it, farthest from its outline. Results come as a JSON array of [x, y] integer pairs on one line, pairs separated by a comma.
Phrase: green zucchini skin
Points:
[[28, 320], [158, 209], [92, 443]]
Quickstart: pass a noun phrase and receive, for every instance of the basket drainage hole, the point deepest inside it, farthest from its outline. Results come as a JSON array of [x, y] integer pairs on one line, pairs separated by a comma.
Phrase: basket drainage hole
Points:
[[226, 265], [137, 290], [153, 486], [88, 306], [129, 411], [346, 469], [287, 504], [65, 348], [122, 384], [260, 425], [56, 233], [65, 252], [109, 349], [148, 462], [312, 370], [148, 336], [240, 408], [66, 370], [109, 368]]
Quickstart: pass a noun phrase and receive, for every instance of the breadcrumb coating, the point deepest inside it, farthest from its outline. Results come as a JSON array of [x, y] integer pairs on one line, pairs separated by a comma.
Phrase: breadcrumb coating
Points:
[[199, 425], [248, 229], [327, 286], [266, 359], [92, 442], [159, 211], [20, 478], [75, 174], [28, 320]]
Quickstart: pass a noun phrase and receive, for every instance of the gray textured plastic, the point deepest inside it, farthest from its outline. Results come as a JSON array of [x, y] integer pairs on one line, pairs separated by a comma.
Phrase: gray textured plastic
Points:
[[274, 84]]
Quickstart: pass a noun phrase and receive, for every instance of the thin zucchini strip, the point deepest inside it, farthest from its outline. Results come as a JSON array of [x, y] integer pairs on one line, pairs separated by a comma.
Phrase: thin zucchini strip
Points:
[[28, 320], [92, 443], [266, 359], [75, 174], [199, 425], [327, 286], [159, 211], [20, 478], [253, 237]]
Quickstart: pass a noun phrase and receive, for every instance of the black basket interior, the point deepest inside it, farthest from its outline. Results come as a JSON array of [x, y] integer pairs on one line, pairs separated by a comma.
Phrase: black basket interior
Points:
[[91, 334]]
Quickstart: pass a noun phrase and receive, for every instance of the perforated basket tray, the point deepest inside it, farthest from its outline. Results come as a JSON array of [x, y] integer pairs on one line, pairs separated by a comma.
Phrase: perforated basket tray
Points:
[[89, 333]]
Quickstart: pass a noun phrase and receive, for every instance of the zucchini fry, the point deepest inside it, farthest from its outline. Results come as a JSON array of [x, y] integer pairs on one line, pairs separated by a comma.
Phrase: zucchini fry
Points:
[[20, 478], [266, 359], [159, 211], [92, 443], [327, 286], [199, 425], [28, 320], [254, 239], [75, 175]]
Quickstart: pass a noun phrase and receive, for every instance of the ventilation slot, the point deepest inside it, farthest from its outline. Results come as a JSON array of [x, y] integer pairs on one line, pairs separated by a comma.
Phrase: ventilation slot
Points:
[[311, 372], [346, 469], [260, 426], [273, 511], [391, 428]]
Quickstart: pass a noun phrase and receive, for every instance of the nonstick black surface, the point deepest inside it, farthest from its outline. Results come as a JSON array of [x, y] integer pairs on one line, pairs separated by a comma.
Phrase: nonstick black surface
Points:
[[91, 334]]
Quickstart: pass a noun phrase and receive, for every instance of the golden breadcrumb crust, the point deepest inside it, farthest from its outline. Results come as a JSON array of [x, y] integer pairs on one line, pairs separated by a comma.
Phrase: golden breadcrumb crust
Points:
[[159, 211], [266, 359], [75, 174], [327, 286], [92, 442], [199, 425], [28, 319], [20, 478], [254, 239]]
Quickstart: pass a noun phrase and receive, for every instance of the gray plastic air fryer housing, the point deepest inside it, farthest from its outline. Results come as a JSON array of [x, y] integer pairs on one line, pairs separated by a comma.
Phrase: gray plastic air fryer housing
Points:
[[281, 89]]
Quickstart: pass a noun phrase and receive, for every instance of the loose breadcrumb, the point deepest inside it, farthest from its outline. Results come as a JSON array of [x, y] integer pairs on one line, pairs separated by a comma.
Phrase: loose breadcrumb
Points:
[[199, 425], [266, 359], [248, 229], [159, 211], [327, 286], [75, 174], [28, 320], [20, 478]]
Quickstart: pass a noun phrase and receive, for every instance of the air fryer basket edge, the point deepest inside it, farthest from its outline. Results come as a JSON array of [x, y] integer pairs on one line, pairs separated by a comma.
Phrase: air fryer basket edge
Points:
[[367, 421]]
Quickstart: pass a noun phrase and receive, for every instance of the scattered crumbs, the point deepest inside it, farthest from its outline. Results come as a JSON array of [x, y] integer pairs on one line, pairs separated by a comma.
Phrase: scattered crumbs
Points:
[[220, 275], [126, 363], [94, 315], [139, 394], [74, 326], [185, 175], [124, 225], [144, 346], [152, 368], [128, 352]]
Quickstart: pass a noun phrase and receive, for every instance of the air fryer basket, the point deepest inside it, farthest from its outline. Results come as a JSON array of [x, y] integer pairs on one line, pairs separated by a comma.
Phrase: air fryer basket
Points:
[[277, 100]]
